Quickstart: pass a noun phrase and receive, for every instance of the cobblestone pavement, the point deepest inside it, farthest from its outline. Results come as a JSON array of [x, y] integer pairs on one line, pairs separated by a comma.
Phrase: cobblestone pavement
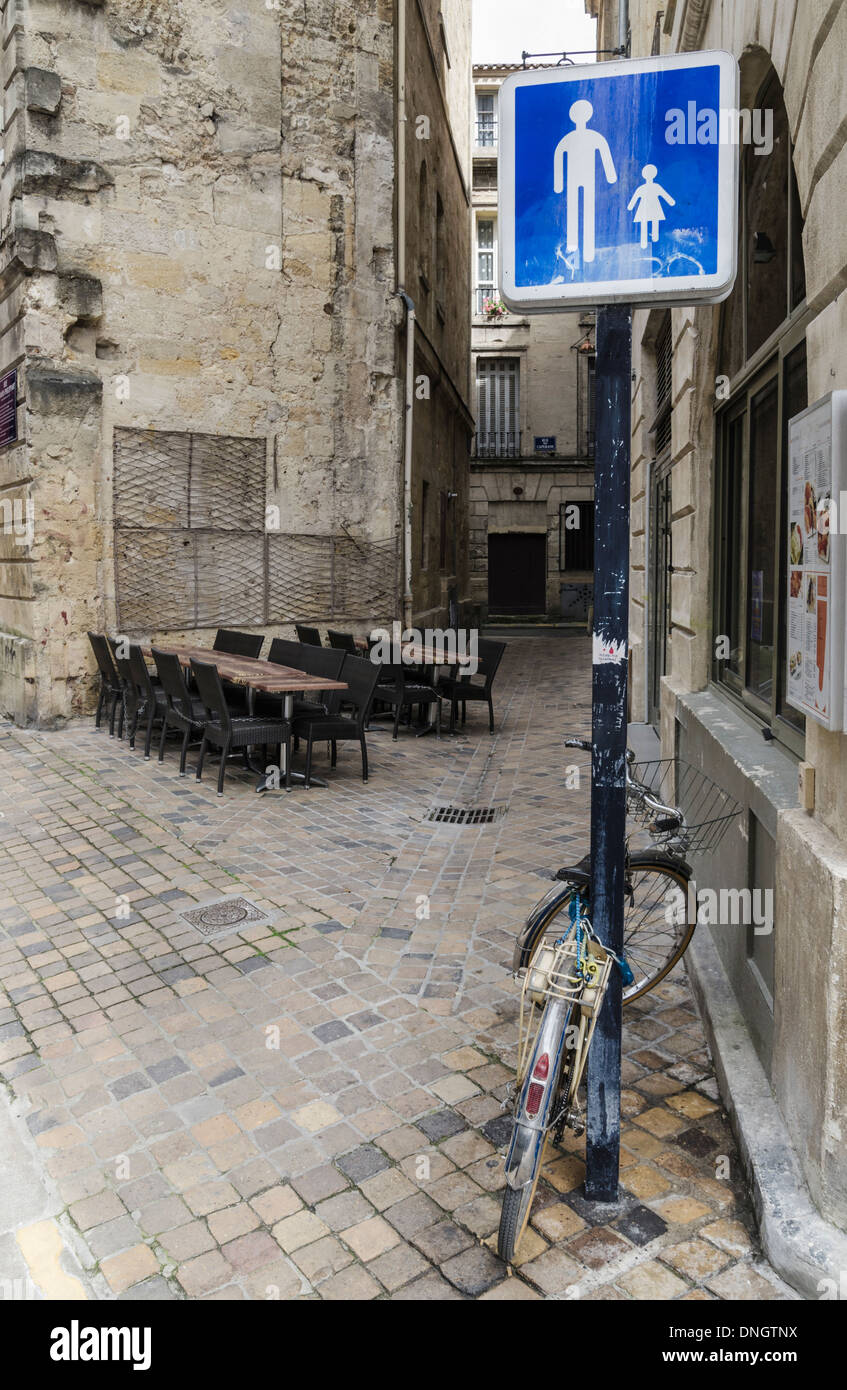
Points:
[[309, 1107]]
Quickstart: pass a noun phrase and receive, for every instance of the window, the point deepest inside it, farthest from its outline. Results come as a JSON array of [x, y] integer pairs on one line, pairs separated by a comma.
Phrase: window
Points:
[[498, 407], [485, 177], [586, 409], [576, 535], [659, 559], [486, 119], [763, 354], [486, 262], [771, 280], [664, 389]]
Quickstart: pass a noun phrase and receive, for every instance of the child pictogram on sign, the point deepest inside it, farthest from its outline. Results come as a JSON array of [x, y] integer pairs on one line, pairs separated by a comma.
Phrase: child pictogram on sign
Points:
[[647, 201]]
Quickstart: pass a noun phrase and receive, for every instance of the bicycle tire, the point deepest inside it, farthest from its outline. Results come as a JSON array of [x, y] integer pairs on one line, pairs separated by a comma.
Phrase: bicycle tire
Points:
[[644, 862]]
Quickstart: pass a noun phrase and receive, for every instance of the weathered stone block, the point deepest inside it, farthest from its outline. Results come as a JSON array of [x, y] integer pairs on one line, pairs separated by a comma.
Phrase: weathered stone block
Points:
[[41, 171], [43, 90]]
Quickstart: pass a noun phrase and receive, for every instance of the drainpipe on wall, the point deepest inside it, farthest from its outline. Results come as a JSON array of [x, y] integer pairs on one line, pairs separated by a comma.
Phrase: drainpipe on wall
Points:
[[623, 24], [408, 420], [407, 459]]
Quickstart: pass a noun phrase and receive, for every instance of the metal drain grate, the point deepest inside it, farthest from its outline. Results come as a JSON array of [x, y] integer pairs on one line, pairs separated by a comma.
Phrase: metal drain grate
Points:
[[466, 815], [224, 916]]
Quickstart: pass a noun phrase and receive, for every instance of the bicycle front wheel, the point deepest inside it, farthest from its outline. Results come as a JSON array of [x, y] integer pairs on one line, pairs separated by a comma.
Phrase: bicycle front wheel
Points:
[[659, 921]]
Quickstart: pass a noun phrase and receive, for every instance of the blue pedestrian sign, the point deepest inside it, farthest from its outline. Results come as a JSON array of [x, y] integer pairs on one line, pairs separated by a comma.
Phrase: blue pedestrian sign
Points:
[[618, 182]]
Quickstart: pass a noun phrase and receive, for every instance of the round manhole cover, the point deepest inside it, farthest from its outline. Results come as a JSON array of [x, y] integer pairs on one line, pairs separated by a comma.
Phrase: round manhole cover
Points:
[[224, 915]]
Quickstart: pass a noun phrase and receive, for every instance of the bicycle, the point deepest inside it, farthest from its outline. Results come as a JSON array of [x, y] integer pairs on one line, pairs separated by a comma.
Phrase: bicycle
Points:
[[566, 969]]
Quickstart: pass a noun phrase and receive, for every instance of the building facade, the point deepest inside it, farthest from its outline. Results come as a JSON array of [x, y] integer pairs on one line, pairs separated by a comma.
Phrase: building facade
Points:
[[201, 238], [713, 391], [531, 496]]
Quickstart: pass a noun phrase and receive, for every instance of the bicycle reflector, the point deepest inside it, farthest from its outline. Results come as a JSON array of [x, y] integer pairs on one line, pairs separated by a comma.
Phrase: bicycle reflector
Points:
[[534, 1095]]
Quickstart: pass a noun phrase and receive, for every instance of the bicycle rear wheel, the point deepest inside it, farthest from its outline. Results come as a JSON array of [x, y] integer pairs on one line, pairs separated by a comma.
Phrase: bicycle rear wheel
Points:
[[659, 921]]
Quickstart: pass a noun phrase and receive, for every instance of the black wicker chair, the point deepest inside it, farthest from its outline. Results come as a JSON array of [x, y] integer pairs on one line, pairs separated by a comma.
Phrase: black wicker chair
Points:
[[309, 635], [285, 652], [142, 698], [460, 690], [361, 678], [110, 682], [238, 643], [403, 689], [183, 711], [342, 642], [226, 730], [315, 661]]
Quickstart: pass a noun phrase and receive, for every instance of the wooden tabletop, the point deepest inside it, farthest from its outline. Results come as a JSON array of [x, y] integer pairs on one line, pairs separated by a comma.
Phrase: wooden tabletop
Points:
[[421, 655], [418, 654], [266, 676]]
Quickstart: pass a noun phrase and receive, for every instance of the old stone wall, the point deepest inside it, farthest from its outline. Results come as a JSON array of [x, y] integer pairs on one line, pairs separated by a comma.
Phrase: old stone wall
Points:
[[197, 208], [438, 280]]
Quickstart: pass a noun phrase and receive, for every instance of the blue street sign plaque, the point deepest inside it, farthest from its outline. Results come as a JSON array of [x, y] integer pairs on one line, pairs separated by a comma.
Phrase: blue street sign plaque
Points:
[[618, 182]]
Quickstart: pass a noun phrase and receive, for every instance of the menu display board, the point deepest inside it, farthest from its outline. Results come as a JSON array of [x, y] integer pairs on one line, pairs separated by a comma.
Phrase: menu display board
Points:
[[815, 570]]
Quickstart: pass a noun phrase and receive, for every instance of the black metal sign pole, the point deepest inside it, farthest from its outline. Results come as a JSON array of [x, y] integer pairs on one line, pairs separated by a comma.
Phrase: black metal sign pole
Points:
[[609, 708]]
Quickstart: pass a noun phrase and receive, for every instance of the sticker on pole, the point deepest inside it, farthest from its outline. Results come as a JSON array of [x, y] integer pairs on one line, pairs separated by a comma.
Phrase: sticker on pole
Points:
[[618, 182]]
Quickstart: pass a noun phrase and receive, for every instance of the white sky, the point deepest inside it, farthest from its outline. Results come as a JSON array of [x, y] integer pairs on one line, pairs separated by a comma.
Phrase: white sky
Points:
[[502, 29]]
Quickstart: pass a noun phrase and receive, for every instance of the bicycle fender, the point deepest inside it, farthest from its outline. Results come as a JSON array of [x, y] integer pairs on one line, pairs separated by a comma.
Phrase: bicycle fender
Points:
[[528, 1132], [658, 856], [528, 934]]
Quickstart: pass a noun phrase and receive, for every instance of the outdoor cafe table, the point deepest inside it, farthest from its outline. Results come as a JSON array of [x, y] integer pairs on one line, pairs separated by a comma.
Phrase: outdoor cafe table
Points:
[[264, 676]]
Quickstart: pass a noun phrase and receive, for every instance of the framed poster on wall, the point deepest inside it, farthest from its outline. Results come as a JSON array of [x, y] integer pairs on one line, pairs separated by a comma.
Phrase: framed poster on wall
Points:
[[817, 479]]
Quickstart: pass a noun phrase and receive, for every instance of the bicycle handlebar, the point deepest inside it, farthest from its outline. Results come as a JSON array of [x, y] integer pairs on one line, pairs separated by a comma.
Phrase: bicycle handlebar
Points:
[[643, 793]]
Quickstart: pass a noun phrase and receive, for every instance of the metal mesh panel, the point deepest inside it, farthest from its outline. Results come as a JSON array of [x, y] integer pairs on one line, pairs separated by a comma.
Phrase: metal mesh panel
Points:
[[151, 478], [314, 577], [189, 529], [227, 483], [299, 577], [230, 579], [155, 579], [191, 548], [364, 577]]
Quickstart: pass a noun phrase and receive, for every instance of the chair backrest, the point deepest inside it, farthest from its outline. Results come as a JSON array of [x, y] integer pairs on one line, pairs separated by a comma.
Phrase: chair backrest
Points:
[[309, 635], [122, 663], [361, 677], [490, 656], [342, 641], [238, 643], [103, 657], [284, 652], [325, 661], [140, 675], [211, 692], [169, 669], [322, 661]]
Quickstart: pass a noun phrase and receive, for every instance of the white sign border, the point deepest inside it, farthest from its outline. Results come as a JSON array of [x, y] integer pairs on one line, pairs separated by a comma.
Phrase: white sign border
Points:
[[709, 289]]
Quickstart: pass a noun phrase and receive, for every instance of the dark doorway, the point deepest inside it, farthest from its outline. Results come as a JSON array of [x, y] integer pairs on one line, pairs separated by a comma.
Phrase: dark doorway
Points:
[[517, 572]]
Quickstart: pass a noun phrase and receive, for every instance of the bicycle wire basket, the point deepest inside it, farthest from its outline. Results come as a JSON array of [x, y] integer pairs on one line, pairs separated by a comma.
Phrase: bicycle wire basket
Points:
[[555, 974], [708, 810]]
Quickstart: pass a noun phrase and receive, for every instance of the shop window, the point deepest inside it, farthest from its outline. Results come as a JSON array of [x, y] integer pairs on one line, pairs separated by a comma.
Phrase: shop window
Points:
[[762, 354]]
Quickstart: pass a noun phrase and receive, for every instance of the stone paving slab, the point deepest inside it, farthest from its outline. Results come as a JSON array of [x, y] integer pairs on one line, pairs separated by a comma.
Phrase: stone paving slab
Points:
[[310, 1106]]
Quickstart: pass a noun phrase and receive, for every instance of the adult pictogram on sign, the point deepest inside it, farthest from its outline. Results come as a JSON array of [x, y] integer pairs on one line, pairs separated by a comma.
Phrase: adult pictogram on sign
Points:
[[581, 146]]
